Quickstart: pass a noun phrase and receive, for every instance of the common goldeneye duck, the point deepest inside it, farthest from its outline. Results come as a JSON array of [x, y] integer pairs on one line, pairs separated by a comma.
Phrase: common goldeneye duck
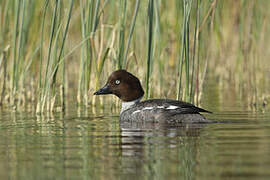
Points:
[[128, 88]]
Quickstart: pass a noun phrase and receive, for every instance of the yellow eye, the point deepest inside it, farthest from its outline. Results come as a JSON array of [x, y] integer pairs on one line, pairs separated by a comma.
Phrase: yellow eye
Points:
[[117, 82]]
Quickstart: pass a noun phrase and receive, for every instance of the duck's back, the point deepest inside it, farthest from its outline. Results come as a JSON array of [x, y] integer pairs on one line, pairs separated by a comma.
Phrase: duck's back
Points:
[[164, 111]]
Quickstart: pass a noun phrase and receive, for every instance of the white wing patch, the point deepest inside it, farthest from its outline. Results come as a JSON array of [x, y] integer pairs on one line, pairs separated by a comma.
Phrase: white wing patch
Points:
[[136, 111], [172, 107], [158, 107], [147, 108]]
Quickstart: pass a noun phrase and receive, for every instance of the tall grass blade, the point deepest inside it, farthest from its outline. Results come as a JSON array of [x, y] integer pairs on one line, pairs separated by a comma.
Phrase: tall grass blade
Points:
[[185, 51], [158, 43], [16, 23], [46, 84], [194, 52], [95, 18], [187, 48], [150, 35], [121, 40], [131, 30], [4, 61], [63, 41], [182, 54], [21, 29], [41, 91]]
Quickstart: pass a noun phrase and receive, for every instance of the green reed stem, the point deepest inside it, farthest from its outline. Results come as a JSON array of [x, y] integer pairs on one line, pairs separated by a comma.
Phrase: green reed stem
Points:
[[131, 30], [103, 61], [81, 75], [51, 86], [46, 84], [4, 61], [20, 43], [121, 40], [182, 56], [95, 18], [88, 27], [16, 22], [149, 52], [4, 23], [62, 48], [102, 10], [198, 65], [194, 51], [63, 41], [185, 50], [41, 53], [88, 66], [53, 27], [189, 5], [158, 43]]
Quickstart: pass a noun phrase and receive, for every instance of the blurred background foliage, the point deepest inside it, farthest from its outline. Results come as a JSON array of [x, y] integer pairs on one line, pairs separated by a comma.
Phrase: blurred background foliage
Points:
[[54, 51]]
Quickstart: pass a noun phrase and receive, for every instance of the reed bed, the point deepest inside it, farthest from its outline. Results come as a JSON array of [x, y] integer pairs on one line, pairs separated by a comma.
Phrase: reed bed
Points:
[[53, 51]]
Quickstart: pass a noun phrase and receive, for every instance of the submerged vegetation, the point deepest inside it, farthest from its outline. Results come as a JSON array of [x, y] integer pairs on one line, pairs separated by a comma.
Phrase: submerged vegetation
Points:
[[52, 51]]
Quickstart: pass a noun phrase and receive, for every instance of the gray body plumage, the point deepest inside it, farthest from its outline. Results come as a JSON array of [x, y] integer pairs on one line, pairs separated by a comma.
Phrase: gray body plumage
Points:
[[164, 111]]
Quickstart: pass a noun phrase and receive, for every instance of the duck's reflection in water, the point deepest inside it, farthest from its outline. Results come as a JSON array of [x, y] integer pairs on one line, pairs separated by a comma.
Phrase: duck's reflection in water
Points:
[[148, 146]]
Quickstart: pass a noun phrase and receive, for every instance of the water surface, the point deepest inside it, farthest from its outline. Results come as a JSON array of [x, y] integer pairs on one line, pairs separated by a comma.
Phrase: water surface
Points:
[[83, 145]]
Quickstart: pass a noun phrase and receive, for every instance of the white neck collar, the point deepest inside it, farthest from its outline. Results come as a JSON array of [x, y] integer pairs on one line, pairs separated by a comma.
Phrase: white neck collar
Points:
[[126, 105]]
